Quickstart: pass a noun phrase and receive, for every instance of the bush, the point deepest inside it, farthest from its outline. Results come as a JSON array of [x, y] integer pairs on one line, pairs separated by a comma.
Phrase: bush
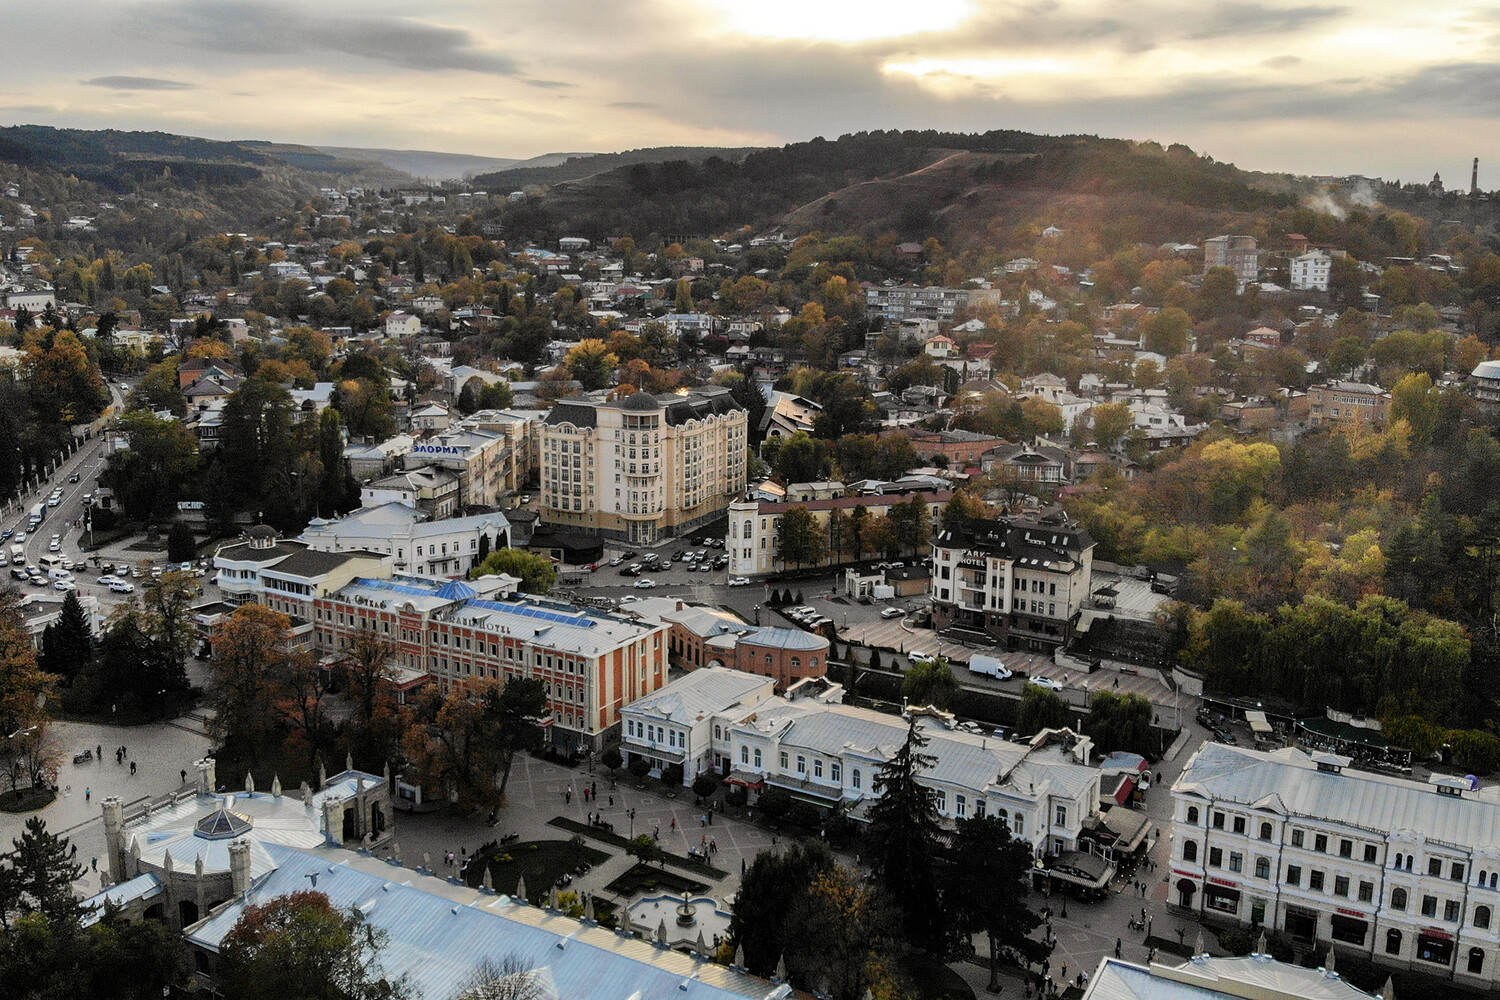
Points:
[[612, 758], [672, 775], [799, 597], [640, 766], [774, 802], [804, 814], [737, 795]]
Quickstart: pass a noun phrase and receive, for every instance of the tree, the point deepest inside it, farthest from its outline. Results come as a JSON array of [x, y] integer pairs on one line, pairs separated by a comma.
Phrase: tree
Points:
[[250, 644], [65, 382], [25, 747], [639, 766], [591, 363], [930, 682], [612, 758], [800, 458], [772, 887], [1111, 421], [181, 545], [468, 396], [40, 873], [706, 783], [643, 846], [496, 396], [68, 643], [1121, 722], [986, 878], [837, 929], [1042, 708], [910, 524], [798, 539], [536, 572], [299, 945], [904, 836], [466, 742], [1166, 332]]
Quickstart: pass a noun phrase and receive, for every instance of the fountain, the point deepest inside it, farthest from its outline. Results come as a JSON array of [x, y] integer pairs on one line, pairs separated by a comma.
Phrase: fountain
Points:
[[687, 911]]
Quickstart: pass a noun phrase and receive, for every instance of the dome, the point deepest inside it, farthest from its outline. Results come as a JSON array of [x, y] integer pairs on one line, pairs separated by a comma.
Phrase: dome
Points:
[[221, 824], [641, 401]]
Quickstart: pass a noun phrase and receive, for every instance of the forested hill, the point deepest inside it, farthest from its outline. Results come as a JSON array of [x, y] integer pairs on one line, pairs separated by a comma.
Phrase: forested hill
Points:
[[589, 164], [919, 184]]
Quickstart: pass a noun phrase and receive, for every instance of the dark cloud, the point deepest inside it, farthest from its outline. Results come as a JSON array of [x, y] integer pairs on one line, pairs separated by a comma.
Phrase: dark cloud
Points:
[[1281, 62], [136, 83], [279, 29], [1235, 19], [550, 84], [633, 105]]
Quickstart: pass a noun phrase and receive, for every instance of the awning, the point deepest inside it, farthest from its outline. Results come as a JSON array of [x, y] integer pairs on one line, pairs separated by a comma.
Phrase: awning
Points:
[[1129, 827], [1258, 723], [1124, 790], [1088, 870], [746, 779]]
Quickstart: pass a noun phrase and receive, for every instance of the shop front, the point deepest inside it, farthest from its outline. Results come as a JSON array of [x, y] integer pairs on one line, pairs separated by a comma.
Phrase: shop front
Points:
[[1435, 946], [1301, 924], [1221, 896], [1350, 927]]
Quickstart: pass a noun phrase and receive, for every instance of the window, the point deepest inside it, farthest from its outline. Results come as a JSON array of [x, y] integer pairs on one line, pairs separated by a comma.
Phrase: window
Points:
[[1371, 852], [1393, 942], [836, 773], [942, 801], [1315, 880], [1450, 910], [757, 758], [1218, 821], [1398, 899], [1192, 815], [1476, 960], [1262, 867], [1265, 831], [801, 764], [1482, 917], [1320, 843], [1456, 873], [1341, 885], [1216, 857], [1236, 861], [1435, 867], [817, 768], [854, 777], [960, 806], [783, 760], [1239, 824], [1296, 838], [1293, 874], [1366, 891], [1190, 850], [1346, 848], [1060, 816], [1019, 826], [744, 755], [1429, 906]]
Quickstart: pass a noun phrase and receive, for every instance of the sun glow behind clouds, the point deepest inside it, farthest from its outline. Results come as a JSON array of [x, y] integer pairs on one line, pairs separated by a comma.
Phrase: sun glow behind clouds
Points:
[[839, 20]]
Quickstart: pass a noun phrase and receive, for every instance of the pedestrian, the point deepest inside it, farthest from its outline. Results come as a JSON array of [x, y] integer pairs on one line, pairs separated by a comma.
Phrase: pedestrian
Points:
[[1062, 974], [88, 793], [1148, 926], [594, 788], [710, 817], [713, 847], [132, 767], [1143, 914], [611, 801], [703, 820], [1117, 947], [117, 757], [99, 752], [184, 776], [568, 797], [94, 864], [674, 822], [742, 867], [656, 830], [124, 751]]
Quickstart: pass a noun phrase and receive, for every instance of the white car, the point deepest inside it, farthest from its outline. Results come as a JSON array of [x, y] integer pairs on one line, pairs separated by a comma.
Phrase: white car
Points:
[[616, 561], [805, 610], [739, 581], [121, 587], [629, 599], [54, 546], [644, 584], [891, 613], [53, 501], [918, 656], [20, 537], [108, 578], [64, 585], [1047, 682]]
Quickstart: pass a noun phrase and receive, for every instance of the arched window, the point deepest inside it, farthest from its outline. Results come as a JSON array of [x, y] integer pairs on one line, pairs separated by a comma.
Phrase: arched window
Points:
[[1265, 831], [854, 777], [813, 662], [1190, 850], [1398, 899], [1476, 960], [1494, 876], [747, 529], [796, 663], [1482, 917], [757, 758], [1408, 862], [1393, 942], [1398, 861], [744, 755], [1482, 875], [1192, 814]]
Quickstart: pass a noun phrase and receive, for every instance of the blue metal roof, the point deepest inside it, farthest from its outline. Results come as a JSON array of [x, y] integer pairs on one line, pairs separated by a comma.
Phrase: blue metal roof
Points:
[[528, 611], [456, 590], [438, 940], [141, 887]]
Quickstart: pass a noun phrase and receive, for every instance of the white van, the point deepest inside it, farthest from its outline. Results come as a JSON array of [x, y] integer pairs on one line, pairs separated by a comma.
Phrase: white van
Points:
[[18, 553], [49, 562], [58, 573]]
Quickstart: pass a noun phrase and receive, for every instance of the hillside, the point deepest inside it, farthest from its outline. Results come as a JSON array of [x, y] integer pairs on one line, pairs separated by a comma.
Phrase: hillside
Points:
[[967, 189], [576, 166], [440, 166]]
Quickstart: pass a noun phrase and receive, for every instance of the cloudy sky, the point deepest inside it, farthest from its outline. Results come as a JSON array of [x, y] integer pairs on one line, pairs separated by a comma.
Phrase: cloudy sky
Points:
[[1318, 86]]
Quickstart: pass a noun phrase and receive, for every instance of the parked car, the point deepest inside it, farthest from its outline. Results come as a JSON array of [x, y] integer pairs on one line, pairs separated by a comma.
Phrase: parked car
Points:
[[73, 478], [804, 609], [644, 584], [1047, 682], [739, 581], [891, 612], [19, 573], [6, 533], [107, 579], [121, 587], [64, 585], [616, 561]]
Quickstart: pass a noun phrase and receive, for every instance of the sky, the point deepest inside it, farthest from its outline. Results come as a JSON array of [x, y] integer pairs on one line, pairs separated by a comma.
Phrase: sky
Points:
[[1377, 87]]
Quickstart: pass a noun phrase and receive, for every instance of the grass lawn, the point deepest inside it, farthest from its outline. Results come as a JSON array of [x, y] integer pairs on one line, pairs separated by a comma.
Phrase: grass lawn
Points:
[[652, 878], [540, 862], [614, 839]]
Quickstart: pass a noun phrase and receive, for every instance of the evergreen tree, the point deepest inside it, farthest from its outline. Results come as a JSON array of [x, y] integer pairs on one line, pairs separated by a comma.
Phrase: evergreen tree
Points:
[[182, 546], [985, 882], [905, 839], [67, 644], [41, 873], [468, 396]]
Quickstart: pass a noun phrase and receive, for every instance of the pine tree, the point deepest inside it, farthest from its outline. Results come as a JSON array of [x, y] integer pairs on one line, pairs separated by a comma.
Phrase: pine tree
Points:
[[43, 869], [906, 838], [68, 643], [181, 544]]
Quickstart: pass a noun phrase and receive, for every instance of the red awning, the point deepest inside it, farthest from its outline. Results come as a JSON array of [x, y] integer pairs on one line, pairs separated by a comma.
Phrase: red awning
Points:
[[1124, 791]]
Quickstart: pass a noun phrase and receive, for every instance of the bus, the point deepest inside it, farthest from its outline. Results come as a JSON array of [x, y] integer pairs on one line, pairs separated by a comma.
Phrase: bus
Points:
[[38, 514], [49, 562]]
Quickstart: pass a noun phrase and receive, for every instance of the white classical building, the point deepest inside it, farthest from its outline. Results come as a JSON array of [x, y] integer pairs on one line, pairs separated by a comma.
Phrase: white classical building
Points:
[[829, 754], [1310, 271], [419, 545], [687, 722], [1404, 873]]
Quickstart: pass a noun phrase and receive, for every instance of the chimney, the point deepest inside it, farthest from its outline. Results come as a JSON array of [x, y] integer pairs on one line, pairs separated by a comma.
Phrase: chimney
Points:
[[333, 820], [114, 821], [239, 866], [1474, 178]]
